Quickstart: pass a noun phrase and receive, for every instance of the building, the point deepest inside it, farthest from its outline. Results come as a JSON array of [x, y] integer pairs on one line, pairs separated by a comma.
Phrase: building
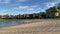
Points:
[[52, 12]]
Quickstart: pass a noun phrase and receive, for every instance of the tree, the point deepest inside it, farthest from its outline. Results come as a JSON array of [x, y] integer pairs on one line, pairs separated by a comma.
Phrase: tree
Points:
[[0, 16]]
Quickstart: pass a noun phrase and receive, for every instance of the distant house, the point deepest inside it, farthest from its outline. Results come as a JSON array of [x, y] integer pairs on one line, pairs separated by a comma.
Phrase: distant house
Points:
[[2, 17], [6, 16], [26, 15], [52, 12]]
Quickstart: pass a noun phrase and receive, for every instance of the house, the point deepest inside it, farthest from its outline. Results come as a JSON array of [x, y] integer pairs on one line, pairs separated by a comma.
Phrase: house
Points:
[[6, 16], [52, 12]]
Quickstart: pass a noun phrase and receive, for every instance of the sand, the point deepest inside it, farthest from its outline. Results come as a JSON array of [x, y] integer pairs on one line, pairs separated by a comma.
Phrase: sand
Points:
[[37, 26]]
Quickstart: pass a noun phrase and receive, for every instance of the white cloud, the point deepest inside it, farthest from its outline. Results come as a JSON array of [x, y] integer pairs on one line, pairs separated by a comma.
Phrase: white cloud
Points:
[[34, 6], [31, 9], [4, 1], [26, 7], [15, 8], [23, 7], [23, 0], [39, 8], [58, 0], [50, 4]]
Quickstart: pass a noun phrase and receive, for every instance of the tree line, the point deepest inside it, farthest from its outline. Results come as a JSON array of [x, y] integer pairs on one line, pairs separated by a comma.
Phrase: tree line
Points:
[[24, 16]]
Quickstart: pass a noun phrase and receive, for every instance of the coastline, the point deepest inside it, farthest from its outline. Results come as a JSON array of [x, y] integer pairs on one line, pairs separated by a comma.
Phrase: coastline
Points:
[[36, 26]]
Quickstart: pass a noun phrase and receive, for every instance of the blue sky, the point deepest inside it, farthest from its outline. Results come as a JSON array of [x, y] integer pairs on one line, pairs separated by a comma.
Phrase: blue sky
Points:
[[15, 7]]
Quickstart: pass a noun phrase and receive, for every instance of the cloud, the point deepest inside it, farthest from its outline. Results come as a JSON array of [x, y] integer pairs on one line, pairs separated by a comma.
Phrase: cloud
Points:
[[31, 9], [4, 1], [23, 0], [25, 8], [58, 0], [50, 4]]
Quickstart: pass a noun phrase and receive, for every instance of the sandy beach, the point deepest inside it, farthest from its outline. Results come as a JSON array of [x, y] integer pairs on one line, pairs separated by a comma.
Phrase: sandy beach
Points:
[[36, 26]]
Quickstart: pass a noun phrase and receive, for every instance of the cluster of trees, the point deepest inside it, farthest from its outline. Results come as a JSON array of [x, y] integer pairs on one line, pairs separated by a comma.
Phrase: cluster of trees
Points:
[[24, 16]]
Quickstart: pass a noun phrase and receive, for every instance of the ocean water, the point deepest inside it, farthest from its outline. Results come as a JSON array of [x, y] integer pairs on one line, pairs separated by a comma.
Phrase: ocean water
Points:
[[10, 22]]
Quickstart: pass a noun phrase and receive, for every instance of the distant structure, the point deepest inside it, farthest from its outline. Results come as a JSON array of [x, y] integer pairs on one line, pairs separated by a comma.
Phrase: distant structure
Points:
[[6, 16], [50, 12], [58, 10]]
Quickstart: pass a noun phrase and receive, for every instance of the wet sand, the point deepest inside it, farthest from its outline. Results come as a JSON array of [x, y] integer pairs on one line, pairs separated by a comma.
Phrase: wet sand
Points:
[[37, 26]]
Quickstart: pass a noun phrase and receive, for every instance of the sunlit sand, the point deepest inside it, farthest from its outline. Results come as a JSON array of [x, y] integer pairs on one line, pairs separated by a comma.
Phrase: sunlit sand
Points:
[[37, 26]]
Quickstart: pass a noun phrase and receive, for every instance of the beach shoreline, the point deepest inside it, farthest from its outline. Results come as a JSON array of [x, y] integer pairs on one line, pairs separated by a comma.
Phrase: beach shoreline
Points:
[[37, 26]]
